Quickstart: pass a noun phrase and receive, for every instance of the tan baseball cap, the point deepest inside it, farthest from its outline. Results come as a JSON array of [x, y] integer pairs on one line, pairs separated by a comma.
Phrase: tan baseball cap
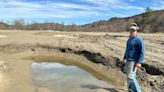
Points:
[[134, 24], [133, 28]]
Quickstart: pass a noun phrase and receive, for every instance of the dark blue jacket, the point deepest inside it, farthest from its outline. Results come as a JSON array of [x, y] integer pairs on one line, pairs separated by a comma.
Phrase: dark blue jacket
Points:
[[135, 49]]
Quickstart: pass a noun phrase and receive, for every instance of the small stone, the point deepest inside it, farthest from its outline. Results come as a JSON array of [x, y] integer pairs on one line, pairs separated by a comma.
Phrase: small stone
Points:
[[151, 83], [32, 49]]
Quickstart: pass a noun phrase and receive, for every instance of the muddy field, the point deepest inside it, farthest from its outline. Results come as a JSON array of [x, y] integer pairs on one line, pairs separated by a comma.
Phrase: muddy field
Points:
[[98, 52]]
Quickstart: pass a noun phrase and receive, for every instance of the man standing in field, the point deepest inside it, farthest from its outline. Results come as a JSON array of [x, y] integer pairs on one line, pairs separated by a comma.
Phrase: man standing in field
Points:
[[134, 56]]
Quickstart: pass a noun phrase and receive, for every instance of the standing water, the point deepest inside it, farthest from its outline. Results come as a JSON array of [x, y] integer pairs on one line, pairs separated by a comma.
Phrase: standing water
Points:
[[60, 78]]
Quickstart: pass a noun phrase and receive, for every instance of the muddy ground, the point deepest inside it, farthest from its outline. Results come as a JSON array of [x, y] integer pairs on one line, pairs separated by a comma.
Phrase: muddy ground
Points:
[[98, 52]]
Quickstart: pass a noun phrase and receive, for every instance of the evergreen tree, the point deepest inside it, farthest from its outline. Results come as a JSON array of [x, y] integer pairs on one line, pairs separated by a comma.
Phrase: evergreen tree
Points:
[[148, 12]]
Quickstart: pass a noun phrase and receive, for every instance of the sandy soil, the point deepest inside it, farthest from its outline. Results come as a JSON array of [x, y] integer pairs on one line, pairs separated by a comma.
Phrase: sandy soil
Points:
[[18, 49]]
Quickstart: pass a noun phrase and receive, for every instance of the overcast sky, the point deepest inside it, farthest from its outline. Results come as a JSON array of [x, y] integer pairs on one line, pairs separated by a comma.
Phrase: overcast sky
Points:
[[73, 11]]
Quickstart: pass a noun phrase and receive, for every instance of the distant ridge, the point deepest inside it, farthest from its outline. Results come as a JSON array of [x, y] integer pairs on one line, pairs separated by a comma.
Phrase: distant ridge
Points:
[[152, 23]]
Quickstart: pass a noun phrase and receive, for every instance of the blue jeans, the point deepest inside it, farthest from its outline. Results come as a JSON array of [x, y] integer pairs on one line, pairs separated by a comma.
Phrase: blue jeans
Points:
[[130, 70]]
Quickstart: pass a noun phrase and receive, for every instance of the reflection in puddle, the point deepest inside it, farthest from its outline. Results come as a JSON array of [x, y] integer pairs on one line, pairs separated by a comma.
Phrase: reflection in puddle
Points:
[[60, 78]]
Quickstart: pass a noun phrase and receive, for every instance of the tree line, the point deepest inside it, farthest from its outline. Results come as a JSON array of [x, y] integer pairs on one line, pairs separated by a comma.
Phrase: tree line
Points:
[[20, 24], [149, 21]]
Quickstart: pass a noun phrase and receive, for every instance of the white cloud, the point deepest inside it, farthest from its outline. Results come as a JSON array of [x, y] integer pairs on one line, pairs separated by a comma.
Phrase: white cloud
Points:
[[21, 9], [59, 10], [158, 5], [114, 4]]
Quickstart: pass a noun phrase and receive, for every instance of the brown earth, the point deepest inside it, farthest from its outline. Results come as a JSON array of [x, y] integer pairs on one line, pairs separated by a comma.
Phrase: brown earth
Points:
[[99, 52]]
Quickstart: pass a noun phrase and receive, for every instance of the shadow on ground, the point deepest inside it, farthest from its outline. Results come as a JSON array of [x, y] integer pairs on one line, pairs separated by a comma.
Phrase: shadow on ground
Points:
[[98, 87]]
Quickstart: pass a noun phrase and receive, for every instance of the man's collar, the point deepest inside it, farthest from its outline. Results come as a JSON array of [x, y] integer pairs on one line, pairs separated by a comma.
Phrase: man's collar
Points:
[[132, 36]]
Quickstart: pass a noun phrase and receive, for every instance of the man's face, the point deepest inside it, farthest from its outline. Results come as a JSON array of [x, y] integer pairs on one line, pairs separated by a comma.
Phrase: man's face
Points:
[[133, 33]]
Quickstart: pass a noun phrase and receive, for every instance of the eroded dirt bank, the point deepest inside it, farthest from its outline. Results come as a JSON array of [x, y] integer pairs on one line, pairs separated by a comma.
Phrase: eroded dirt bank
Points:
[[100, 52]]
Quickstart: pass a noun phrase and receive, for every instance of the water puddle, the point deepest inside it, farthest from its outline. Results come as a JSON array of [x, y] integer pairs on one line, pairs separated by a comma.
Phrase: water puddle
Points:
[[58, 77]]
